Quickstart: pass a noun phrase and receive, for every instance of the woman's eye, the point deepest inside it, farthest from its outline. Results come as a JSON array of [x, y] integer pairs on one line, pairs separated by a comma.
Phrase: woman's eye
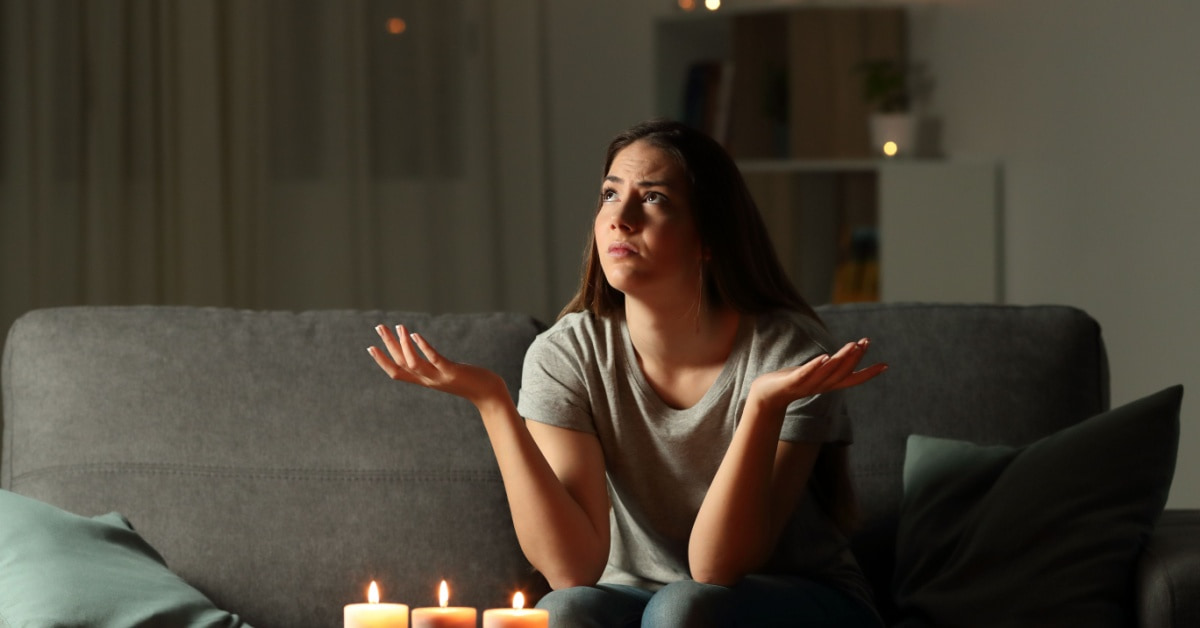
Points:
[[655, 198], [608, 195]]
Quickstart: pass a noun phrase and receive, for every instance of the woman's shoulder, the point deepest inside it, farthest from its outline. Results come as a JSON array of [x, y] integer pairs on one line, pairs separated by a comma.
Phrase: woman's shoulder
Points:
[[793, 328], [576, 323], [576, 333]]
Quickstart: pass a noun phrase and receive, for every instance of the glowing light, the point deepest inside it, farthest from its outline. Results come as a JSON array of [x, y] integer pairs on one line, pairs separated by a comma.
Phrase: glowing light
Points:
[[396, 25], [687, 5], [890, 149], [373, 593], [519, 600], [712, 5], [443, 595]]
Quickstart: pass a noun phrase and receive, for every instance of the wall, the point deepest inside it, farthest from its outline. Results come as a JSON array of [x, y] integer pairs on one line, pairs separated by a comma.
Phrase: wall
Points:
[[1092, 108], [1090, 105], [598, 73]]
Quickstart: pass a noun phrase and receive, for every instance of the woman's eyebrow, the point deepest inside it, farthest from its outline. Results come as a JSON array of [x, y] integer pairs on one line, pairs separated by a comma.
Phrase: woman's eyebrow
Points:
[[641, 184]]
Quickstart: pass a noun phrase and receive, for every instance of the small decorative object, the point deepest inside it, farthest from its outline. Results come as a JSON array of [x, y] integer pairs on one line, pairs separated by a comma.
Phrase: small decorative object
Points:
[[892, 124], [443, 616], [374, 614], [517, 616], [690, 5], [856, 277]]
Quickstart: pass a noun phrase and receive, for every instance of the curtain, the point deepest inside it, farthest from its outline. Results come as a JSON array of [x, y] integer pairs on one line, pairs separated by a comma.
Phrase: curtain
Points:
[[287, 154]]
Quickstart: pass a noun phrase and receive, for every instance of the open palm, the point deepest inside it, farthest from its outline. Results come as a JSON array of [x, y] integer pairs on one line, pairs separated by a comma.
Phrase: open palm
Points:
[[410, 358], [822, 374]]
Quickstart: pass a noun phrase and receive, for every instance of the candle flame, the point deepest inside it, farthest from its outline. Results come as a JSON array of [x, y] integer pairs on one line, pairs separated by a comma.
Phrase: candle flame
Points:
[[519, 600], [443, 594], [373, 593]]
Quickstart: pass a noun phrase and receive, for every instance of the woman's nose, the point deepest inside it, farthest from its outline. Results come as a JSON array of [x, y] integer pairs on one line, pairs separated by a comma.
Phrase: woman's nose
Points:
[[626, 217]]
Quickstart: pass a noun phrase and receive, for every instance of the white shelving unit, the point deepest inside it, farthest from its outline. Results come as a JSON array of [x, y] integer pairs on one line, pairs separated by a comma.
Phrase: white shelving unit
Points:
[[937, 223]]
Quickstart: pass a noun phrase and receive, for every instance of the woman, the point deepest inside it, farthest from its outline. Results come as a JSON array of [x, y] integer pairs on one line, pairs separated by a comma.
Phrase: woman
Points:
[[678, 455]]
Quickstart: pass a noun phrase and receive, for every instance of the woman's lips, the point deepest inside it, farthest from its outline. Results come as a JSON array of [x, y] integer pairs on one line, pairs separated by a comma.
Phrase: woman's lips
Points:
[[621, 249]]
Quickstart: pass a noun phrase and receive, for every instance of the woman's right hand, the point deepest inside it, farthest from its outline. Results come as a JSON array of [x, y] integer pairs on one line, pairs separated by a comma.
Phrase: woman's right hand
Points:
[[554, 480], [426, 367]]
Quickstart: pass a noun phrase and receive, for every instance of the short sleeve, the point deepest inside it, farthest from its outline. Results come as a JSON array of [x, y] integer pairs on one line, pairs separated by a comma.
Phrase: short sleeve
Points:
[[554, 386], [820, 418], [792, 339]]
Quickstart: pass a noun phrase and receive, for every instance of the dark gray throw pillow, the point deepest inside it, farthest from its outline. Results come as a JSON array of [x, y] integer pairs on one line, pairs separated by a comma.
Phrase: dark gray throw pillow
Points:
[[1041, 535], [61, 569]]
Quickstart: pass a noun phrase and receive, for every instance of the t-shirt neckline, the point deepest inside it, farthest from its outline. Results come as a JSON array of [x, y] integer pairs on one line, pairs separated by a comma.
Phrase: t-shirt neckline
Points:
[[722, 383]]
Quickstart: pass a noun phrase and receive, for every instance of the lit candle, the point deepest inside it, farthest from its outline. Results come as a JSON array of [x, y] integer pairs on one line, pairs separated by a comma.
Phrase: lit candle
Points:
[[443, 616], [373, 614], [517, 616]]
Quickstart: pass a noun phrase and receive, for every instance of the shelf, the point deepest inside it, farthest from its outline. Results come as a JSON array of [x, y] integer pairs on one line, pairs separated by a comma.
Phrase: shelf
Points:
[[731, 8], [833, 166], [777, 84], [847, 225], [936, 224], [813, 165]]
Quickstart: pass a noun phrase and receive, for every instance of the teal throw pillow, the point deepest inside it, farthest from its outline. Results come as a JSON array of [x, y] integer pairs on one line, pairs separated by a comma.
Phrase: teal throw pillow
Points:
[[1041, 535], [61, 569]]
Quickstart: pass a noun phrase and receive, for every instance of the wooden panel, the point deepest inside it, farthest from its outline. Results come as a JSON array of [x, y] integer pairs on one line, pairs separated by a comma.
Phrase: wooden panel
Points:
[[810, 84], [800, 211], [825, 48], [759, 109]]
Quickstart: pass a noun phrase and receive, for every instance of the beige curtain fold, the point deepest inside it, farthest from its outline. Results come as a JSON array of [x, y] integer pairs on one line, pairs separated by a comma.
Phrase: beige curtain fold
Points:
[[280, 153]]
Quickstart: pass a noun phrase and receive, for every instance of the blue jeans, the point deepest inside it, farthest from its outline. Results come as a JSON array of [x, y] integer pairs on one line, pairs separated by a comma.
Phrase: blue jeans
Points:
[[757, 601]]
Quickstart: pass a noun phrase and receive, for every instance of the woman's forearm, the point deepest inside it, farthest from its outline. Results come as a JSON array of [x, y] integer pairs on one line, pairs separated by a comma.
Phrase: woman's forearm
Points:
[[560, 511], [735, 528], [554, 529]]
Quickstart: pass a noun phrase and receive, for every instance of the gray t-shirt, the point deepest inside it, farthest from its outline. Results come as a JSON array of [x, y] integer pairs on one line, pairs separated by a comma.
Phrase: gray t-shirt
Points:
[[582, 374]]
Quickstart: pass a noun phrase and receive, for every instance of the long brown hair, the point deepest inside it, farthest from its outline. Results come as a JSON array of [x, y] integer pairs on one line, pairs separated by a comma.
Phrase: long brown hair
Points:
[[743, 271]]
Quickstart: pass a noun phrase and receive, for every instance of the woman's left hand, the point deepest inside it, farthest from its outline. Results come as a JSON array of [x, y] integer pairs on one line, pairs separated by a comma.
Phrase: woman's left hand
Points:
[[822, 374]]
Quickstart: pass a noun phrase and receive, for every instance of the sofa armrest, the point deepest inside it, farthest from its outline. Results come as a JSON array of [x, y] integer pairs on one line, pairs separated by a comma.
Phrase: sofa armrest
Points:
[[1168, 573]]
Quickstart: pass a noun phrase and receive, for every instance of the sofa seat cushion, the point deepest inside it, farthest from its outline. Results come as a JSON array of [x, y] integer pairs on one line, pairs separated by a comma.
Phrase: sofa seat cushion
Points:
[[1041, 535], [62, 569]]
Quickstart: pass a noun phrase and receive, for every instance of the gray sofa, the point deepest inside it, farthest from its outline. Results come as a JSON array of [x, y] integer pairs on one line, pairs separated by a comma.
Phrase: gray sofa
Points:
[[278, 471]]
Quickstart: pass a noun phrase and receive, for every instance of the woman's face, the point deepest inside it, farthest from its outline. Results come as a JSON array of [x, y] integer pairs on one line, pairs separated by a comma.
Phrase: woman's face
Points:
[[645, 233]]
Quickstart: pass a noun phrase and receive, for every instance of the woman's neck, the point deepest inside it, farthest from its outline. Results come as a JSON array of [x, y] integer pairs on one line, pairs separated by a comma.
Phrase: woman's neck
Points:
[[690, 338]]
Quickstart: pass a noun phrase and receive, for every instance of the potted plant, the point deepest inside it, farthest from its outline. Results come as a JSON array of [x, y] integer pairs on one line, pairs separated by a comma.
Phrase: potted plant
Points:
[[886, 90]]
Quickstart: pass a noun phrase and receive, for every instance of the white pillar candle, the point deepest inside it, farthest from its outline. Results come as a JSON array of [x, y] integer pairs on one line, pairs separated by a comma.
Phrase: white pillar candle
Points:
[[374, 614], [443, 616], [516, 617]]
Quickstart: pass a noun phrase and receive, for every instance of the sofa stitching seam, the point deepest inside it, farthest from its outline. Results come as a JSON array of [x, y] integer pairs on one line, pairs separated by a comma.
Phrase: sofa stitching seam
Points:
[[352, 475]]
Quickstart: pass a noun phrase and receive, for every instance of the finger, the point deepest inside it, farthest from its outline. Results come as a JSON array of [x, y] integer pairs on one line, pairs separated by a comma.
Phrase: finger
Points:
[[389, 342], [836, 362], [379, 359], [807, 378], [861, 376], [431, 354], [411, 360], [845, 360], [837, 367], [386, 363]]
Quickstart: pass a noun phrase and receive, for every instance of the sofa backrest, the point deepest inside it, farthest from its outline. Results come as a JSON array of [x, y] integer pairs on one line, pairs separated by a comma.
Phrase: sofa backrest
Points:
[[278, 470], [266, 456], [989, 374]]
